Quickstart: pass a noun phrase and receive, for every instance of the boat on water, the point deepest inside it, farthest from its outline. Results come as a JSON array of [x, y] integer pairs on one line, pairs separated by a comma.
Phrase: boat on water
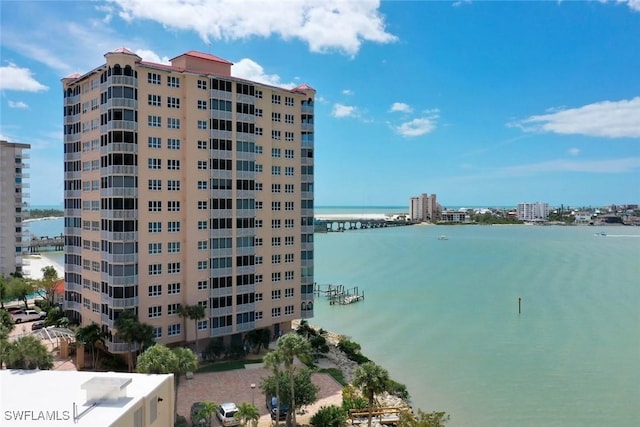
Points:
[[602, 233], [443, 237]]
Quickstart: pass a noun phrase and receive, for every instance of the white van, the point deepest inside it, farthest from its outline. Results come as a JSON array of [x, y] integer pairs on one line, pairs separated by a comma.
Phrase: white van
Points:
[[226, 413]]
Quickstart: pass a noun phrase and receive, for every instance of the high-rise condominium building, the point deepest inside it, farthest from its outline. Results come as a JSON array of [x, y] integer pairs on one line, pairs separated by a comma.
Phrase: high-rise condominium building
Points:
[[13, 206], [424, 208], [533, 211], [185, 185]]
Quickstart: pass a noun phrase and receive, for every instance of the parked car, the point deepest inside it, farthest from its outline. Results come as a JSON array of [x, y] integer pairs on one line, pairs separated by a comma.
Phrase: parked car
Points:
[[226, 413], [198, 417], [37, 325], [28, 315], [272, 404]]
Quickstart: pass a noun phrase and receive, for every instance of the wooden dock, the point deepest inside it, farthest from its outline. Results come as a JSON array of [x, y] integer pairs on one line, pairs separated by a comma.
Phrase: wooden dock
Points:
[[338, 294]]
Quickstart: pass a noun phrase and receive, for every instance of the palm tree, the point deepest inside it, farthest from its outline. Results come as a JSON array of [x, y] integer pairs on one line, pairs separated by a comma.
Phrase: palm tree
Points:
[[3, 290], [158, 359], [126, 325], [247, 413], [371, 379], [196, 313], [48, 282], [206, 410], [273, 360], [90, 336], [292, 345], [27, 352]]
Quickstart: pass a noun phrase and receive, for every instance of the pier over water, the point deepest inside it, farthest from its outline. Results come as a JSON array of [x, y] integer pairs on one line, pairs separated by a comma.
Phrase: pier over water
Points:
[[339, 223]]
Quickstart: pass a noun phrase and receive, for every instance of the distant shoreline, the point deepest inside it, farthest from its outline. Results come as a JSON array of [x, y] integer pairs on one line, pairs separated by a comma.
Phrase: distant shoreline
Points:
[[46, 218]]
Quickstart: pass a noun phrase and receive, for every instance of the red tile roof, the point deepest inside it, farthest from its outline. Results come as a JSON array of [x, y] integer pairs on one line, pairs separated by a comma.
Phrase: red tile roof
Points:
[[304, 86], [206, 56], [123, 50]]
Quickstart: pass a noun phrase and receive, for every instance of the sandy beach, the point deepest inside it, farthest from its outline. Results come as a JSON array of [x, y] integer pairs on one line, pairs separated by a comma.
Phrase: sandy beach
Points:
[[33, 265]]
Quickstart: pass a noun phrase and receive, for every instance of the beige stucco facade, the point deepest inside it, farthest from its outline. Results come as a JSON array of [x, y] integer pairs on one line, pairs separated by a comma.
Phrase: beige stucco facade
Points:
[[13, 206], [185, 185]]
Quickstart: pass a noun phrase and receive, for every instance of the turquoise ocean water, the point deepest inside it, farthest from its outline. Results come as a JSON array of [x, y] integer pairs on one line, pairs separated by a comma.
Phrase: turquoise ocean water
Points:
[[442, 317]]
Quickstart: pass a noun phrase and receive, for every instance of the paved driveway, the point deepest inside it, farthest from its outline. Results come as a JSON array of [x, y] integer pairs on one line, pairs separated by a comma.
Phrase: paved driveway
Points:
[[235, 386]]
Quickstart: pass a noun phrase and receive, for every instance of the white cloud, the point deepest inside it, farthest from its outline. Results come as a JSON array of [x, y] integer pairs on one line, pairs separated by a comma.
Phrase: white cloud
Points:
[[251, 70], [574, 151], [324, 25], [418, 126], [151, 56], [18, 104], [13, 77], [340, 111], [347, 92], [611, 119], [400, 107], [633, 4]]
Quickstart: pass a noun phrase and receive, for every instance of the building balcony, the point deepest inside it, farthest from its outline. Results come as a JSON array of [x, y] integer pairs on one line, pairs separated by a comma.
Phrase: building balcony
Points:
[[119, 347], [246, 99], [306, 314], [120, 258], [243, 136], [129, 236], [221, 174], [246, 289], [306, 161], [73, 250], [74, 287], [74, 118], [119, 125], [119, 80], [120, 302], [246, 174], [120, 170], [307, 109], [219, 332], [224, 232], [222, 115], [306, 127], [244, 327], [72, 305], [251, 250], [221, 292], [119, 147], [221, 94], [247, 118], [71, 100], [245, 308], [74, 137], [119, 192], [119, 214], [221, 154], [120, 102]]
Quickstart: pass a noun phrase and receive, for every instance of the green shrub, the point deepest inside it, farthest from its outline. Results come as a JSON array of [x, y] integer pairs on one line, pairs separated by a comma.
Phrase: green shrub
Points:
[[181, 421], [399, 390], [329, 416]]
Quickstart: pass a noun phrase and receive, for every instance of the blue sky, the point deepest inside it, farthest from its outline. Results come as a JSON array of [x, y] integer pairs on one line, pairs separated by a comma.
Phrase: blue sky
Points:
[[482, 103]]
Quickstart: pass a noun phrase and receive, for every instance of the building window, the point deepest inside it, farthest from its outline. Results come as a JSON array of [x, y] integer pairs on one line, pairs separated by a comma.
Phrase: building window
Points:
[[202, 205], [155, 290], [202, 324], [288, 223], [202, 265], [173, 144], [288, 136], [173, 123], [288, 258], [289, 170], [275, 206], [155, 269], [275, 117], [173, 81], [173, 288], [275, 99], [155, 227], [275, 170], [288, 118], [288, 206], [202, 225], [275, 241], [259, 131], [173, 206], [288, 293], [173, 185], [288, 154], [275, 259], [173, 329], [155, 311], [288, 275], [155, 248], [154, 121], [275, 312], [202, 185], [275, 152], [154, 142], [288, 240], [288, 101], [154, 78], [173, 102], [202, 124], [154, 163], [288, 310], [173, 268], [275, 277], [203, 285], [173, 164], [157, 332], [173, 247], [202, 84], [258, 94], [275, 135], [173, 226], [154, 100], [173, 309]]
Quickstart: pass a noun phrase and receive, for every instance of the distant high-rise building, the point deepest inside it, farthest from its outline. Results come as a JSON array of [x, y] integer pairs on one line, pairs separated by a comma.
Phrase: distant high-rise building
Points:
[[13, 206], [533, 211], [424, 208], [185, 185]]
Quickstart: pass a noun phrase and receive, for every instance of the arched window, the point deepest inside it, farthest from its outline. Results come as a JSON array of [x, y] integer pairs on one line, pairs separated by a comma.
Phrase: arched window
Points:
[[117, 70], [128, 71]]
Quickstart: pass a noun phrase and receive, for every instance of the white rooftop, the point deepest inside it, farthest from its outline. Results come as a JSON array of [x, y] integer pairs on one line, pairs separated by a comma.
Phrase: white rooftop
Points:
[[47, 398]]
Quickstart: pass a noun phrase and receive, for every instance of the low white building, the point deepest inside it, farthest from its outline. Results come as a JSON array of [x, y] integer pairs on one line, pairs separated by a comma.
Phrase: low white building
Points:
[[85, 399]]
